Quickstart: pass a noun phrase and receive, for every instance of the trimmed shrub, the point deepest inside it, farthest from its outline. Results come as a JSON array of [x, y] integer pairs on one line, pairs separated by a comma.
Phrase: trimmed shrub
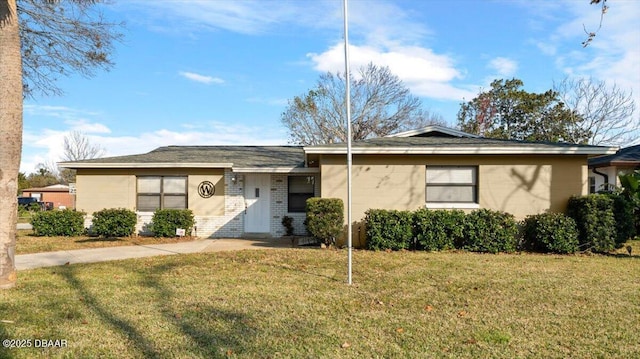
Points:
[[595, 220], [114, 222], [22, 212], [325, 218], [439, 229], [287, 223], [624, 217], [550, 232], [490, 231], [165, 222], [388, 229], [65, 222], [35, 207]]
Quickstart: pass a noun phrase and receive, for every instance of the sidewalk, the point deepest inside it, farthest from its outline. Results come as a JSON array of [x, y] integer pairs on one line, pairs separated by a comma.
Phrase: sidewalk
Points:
[[51, 259]]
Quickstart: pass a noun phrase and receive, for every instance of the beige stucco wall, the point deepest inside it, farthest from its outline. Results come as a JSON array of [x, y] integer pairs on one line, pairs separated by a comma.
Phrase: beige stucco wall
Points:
[[520, 185], [97, 189], [212, 206]]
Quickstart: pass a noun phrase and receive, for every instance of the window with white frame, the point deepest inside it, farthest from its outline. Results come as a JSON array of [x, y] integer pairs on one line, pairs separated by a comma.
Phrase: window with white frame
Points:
[[161, 192], [301, 188], [452, 184]]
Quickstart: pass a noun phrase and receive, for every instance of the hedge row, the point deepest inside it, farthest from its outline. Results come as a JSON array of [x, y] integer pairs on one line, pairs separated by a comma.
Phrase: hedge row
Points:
[[113, 222], [599, 223], [482, 230]]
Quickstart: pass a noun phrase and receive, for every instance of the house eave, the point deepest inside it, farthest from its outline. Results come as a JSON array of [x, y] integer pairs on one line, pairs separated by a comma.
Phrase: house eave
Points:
[[616, 164], [465, 151], [276, 169], [73, 165]]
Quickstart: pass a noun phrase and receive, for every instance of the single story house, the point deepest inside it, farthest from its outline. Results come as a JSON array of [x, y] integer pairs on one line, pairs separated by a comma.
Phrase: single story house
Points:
[[604, 170], [236, 191], [58, 195]]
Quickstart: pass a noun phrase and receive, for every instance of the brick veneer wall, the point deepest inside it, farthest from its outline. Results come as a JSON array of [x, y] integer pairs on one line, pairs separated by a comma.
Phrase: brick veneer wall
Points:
[[279, 206], [231, 224]]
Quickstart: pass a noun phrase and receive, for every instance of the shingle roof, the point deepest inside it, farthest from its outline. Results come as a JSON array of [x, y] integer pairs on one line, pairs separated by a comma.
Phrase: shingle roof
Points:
[[52, 188], [446, 141], [237, 156], [293, 157], [625, 156]]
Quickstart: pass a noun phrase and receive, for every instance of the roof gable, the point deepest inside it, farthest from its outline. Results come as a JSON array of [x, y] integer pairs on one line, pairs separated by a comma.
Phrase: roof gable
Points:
[[629, 156], [434, 131]]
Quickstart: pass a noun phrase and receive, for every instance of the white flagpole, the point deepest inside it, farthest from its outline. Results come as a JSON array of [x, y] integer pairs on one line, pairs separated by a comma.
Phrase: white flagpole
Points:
[[348, 105]]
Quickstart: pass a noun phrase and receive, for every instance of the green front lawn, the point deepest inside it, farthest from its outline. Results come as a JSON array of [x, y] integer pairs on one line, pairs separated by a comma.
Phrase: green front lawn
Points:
[[28, 243], [293, 303]]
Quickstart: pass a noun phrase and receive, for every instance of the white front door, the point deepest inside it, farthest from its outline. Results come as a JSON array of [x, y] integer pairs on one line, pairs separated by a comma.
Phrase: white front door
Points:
[[257, 196]]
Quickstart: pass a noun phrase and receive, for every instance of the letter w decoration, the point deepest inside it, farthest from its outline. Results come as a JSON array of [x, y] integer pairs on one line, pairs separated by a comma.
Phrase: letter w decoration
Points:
[[206, 189]]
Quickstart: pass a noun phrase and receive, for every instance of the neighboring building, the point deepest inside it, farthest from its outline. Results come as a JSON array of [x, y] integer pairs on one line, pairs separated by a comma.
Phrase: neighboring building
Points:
[[57, 195], [604, 170], [246, 190]]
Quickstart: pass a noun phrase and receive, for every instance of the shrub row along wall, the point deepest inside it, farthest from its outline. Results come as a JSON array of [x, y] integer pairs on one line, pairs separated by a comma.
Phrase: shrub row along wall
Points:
[[482, 230], [598, 223], [113, 222]]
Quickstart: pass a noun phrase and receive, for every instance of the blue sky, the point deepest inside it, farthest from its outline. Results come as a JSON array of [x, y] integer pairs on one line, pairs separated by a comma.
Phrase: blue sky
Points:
[[220, 72]]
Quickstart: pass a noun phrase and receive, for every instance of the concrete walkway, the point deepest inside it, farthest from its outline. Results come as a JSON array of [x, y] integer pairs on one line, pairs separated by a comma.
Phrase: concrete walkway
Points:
[[51, 259]]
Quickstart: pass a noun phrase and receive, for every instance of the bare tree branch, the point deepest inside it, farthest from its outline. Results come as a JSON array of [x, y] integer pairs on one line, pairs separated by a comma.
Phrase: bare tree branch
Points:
[[607, 111], [60, 38], [380, 105], [77, 146], [592, 34]]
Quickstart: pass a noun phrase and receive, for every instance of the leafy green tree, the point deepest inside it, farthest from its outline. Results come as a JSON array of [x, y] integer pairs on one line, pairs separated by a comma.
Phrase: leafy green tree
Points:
[[23, 182], [506, 111], [42, 178]]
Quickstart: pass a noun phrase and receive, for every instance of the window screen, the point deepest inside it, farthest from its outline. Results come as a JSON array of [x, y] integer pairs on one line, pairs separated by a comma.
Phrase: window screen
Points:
[[160, 192], [301, 188], [452, 184]]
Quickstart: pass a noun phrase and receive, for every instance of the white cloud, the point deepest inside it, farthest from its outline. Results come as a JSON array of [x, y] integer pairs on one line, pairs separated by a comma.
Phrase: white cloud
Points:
[[201, 78], [245, 17], [614, 53], [382, 32], [46, 145], [424, 72], [503, 66]]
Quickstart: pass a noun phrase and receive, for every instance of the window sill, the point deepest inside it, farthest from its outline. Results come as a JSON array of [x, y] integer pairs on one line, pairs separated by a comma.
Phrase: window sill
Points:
[[452, 205]]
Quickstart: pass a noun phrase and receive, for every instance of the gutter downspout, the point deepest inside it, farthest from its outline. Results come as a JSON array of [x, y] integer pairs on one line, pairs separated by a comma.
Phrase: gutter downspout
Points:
[[604, 175]]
